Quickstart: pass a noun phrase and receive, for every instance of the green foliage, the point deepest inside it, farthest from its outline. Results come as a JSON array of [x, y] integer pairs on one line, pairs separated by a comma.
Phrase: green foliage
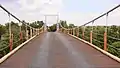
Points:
[[2, 30], [64, 24], [71, 25], [15, 30], [116, 49], [52, 28], [116, 44], [37, 24], [98, 35], [113, 34]]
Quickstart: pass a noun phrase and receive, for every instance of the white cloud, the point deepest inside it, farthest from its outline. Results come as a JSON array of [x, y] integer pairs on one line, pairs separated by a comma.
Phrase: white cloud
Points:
[[43, 6], [31, 10], [78, 18], [39, 8]]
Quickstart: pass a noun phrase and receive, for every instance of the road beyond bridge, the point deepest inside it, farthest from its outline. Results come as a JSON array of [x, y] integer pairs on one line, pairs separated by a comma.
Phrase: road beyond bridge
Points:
[[57, 50]]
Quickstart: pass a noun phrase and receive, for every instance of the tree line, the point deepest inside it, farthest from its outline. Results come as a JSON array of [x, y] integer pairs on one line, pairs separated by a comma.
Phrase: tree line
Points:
[[15, 30], [113, 35]]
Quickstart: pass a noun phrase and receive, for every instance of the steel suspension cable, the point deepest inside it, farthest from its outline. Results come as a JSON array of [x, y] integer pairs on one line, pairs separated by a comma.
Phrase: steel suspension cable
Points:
[[14, 16]]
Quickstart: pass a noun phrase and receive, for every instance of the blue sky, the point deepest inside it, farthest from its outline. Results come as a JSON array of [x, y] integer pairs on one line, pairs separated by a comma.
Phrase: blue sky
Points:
[[74, 11]]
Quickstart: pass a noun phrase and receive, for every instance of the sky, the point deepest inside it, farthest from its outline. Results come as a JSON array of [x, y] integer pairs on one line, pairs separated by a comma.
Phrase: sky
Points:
[[77, 12]]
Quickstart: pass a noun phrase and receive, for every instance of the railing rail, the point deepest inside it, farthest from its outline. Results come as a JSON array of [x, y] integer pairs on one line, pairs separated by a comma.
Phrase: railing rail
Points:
[[17, 33], [98, 34]]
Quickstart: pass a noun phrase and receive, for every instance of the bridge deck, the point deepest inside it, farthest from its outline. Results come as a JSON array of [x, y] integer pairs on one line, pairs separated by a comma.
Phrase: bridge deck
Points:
[[55, 50]]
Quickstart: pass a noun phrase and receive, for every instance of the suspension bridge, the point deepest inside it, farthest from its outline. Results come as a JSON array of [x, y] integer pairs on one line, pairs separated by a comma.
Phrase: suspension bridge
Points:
[[65, 48]]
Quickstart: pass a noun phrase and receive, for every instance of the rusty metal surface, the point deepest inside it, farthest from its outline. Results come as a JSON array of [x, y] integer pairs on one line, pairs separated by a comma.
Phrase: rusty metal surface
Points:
[[55, 50]]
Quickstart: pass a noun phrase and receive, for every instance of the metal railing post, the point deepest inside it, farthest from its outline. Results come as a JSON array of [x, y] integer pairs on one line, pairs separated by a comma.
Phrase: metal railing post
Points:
[[30, 32], [83, 32], [26, 32], [105, 34], [20, 31], [90, 36], [91, 33], [73, 32], [10, 34], [78, 32]]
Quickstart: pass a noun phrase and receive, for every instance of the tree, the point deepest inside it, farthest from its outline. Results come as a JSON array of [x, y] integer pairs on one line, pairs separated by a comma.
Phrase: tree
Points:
[[2, 30], [37, 24], [64, 24], [71, 25], [115, 49], [52, 28]]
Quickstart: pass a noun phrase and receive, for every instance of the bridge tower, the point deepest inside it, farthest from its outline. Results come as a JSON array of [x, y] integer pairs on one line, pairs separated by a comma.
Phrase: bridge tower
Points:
[[45, 27], [57, 26], [57, 21]]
